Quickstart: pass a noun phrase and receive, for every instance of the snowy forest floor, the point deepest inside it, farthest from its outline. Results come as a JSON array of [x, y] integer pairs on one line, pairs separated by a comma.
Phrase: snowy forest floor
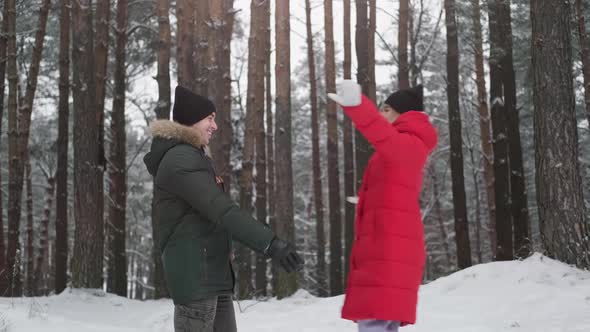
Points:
[[537, 294]]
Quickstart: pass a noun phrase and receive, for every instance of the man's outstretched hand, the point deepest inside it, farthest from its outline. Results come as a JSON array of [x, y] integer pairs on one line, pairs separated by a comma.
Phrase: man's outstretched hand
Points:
[[349, 94], [284, 253]]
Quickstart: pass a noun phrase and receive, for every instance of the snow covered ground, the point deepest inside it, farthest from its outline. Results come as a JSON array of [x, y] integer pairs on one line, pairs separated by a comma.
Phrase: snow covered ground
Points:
[[537, 294]]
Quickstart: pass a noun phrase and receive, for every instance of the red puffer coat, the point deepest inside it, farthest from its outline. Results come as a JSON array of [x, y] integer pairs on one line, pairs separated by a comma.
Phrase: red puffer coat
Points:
[[388, 253]]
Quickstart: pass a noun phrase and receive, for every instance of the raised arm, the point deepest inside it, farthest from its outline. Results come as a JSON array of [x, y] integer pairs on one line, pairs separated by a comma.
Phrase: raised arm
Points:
[[367, 119]]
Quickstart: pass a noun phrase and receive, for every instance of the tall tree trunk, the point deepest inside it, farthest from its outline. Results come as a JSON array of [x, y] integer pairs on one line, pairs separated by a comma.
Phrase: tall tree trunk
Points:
[[87, 259], [285, 228], [18, 146], [518, 197], [101, 49], [162, 112], [270, 139], [61, 213], [261, 188], [372, 83], [562, 220], [475, 179], [403, 67], [413, 40], [30, 258], [336, 276], [184, 42], [362, 55], [43, 254], [484, 124], [348, 147], [504, 245], [253, 102], [219, 84], [438, 211], [118, 167], [3, 44], [133, 274], [584, 54], [320, 273], [201, 47], [6, 285], [457, 173]]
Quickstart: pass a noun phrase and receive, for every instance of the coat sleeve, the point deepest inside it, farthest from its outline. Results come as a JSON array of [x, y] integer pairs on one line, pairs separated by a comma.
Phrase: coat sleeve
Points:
[[185, 173], [386, 140]]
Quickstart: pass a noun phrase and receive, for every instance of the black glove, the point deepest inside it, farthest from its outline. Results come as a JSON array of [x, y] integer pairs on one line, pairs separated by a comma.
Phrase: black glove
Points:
[[284, 253]]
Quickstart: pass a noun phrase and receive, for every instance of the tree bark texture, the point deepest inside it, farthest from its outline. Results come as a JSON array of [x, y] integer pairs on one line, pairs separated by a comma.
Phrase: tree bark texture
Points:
[[563, 224]]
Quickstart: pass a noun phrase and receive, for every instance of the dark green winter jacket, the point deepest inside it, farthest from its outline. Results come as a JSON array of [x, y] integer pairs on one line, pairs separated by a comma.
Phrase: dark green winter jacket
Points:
[[197, 219]]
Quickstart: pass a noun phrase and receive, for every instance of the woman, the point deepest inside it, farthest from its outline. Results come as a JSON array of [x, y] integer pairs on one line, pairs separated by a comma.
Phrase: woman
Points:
[[388, 252]]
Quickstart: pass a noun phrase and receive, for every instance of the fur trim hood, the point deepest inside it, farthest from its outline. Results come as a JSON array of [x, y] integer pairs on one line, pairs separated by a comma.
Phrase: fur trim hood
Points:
[[173, 130], [168, 134]]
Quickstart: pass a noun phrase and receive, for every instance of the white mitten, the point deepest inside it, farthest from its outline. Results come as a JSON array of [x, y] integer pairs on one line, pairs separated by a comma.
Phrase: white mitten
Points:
[[349, 94]]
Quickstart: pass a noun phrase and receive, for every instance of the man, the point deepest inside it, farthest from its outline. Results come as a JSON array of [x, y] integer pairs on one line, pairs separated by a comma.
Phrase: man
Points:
[[198, 220], [388, 252]]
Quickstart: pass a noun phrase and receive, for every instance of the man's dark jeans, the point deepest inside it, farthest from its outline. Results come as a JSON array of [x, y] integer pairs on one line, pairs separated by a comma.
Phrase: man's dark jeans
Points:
[[215, 314]]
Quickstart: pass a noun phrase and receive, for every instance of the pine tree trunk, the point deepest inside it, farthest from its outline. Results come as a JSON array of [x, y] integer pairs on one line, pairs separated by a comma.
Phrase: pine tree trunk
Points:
[[457, 173], [504, 244], [320, 273], [261, 188], [438, 211], [219, 83], [101, 48], [6, 274], [563, 224], [102, 51], [3, 41], [484, 125], [118, 166], [30, 252], [133, 273], [285, 228], [43, 254], [413, 40], [403, 67], [162, 112], [518, 197], [3, 44], [584, 54], [184, 42], [201, 47], [226, 86], [18, 146], [335, 214], [61, 214], [372, 84], [348, 146], [474, 175], [48, 278], [253, 102], [87, 259], [362, 148], [270, 140]]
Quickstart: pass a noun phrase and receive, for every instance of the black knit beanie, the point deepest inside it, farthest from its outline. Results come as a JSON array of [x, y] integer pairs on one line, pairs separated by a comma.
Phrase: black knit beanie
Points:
[[407, 100], [189, 107]]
